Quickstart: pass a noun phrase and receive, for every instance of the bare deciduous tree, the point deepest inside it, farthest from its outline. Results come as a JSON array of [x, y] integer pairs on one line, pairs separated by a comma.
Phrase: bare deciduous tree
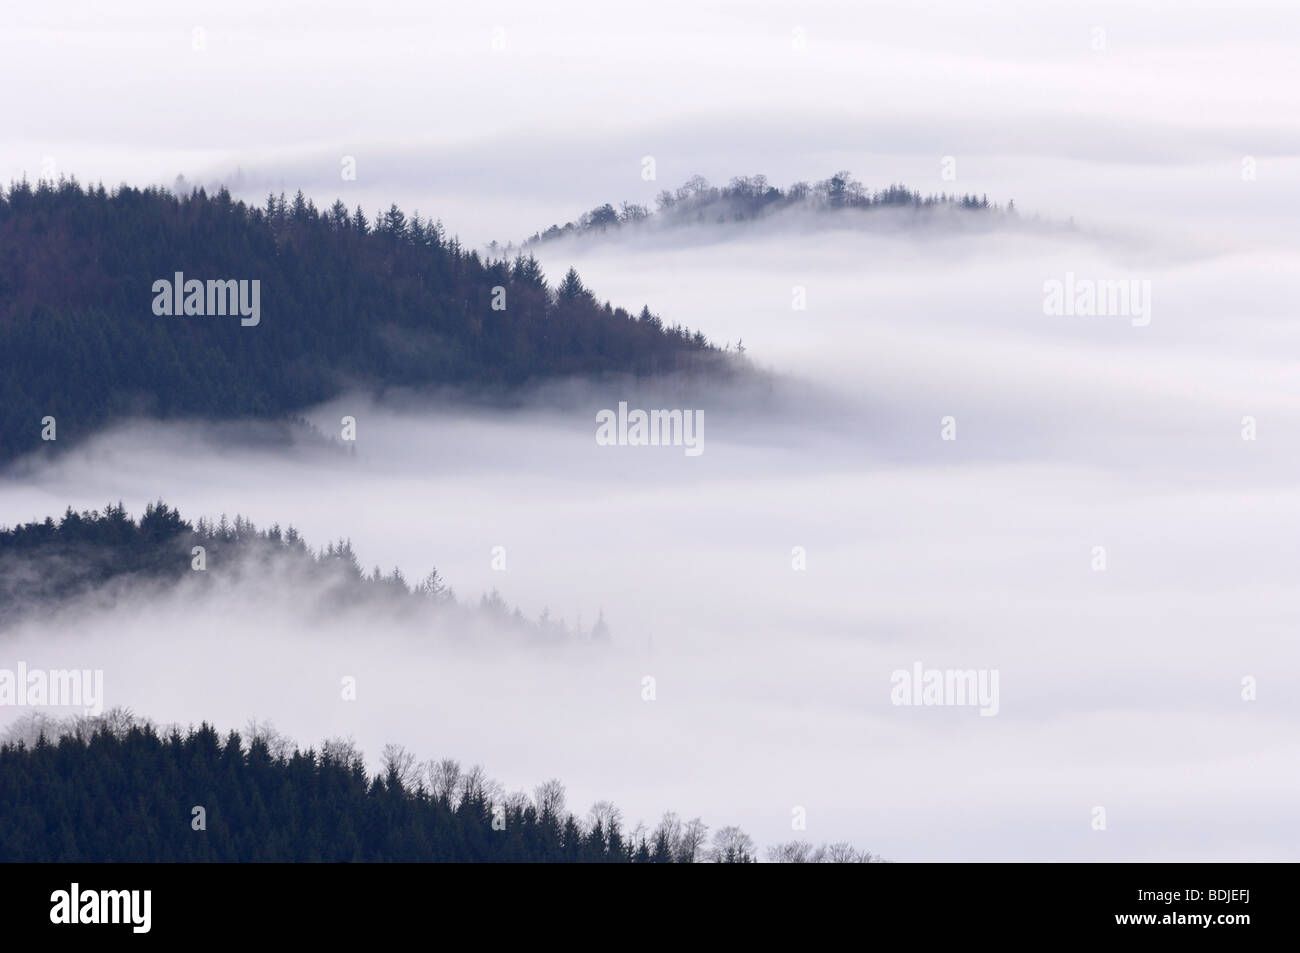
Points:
[[694, 833], [791, 852], [341, 751], [444, 780], [277, 745], [399, 765], [549, 798], [474, 785], [731, 845], [606, 815], [802, 852], [668, 835]]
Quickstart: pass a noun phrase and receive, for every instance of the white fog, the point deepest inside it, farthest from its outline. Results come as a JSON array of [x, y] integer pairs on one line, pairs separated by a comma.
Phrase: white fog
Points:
[[1119, 687]]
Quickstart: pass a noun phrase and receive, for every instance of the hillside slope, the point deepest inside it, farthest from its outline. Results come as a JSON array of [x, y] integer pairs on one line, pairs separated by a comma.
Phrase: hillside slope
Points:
[[341, 301]]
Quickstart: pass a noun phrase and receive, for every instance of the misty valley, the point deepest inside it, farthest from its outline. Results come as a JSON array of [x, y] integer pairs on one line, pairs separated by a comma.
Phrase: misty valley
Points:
[[455, 528], [358, 507]]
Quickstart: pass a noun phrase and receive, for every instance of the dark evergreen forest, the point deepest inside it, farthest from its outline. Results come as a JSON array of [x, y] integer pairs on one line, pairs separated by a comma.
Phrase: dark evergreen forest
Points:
[[116, 789], [43, 562], [346, 300], [127, 793]]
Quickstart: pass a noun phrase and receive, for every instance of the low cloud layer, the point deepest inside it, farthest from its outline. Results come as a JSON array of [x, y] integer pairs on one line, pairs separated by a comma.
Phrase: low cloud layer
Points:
[[1112, 530], [1119, 688]]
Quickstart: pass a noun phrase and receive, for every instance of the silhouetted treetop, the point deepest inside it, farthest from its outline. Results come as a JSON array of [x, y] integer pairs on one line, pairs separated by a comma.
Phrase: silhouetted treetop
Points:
[[747, 198]]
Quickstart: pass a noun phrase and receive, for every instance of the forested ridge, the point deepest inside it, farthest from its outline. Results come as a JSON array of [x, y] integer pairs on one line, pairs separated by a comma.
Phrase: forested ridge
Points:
[[752, 197], [345, 299], [44, 562], [113, 788]]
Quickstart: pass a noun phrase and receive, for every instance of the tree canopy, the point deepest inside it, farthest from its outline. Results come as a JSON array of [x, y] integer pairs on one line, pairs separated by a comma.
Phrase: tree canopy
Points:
[[115, 788], [345, 300]]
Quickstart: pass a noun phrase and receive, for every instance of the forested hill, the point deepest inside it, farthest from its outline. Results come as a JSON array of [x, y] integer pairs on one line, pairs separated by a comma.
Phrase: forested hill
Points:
[[44, 563], [342, 300], [115, 788], [750, 198]]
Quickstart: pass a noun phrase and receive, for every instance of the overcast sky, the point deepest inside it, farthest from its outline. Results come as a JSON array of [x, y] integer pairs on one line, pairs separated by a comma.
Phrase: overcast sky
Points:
[[1071, 108]]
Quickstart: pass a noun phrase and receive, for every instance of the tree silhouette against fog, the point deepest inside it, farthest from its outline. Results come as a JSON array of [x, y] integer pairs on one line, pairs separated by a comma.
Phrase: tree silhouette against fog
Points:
[[118, 789], [388, 301], [747, 198]]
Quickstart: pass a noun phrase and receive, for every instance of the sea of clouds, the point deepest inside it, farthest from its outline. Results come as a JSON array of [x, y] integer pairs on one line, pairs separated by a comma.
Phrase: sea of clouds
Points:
[[1119, 688]]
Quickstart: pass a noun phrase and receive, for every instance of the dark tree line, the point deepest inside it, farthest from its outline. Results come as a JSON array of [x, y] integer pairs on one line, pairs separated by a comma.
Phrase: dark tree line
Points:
[[120, 791], [345, 299], [50, 560], [113, 788], [752, 197]]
